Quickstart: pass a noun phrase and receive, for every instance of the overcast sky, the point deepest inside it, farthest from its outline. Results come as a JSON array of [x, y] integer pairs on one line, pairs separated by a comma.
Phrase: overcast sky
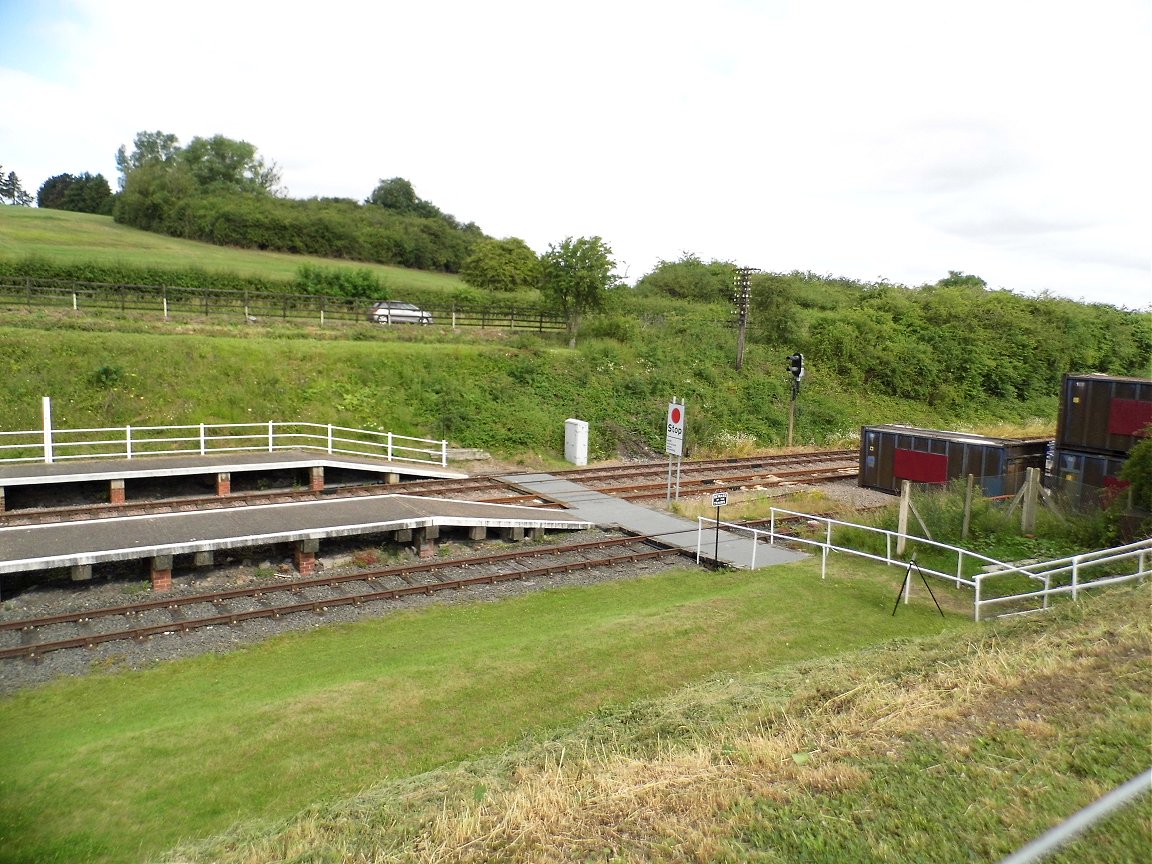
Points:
[[874, 139]]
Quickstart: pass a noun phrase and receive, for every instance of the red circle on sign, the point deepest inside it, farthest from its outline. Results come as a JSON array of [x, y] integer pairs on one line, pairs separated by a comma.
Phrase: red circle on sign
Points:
[[676, 416]]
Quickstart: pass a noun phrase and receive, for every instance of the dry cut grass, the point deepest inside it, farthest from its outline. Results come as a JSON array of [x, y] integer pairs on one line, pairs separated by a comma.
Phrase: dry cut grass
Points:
[[716, 771]]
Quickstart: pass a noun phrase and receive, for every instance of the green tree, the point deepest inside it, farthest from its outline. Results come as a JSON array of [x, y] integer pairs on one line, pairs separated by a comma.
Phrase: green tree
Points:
[[80, 194], [220, 164], [151, 194], [501, 265], [576, 277], [690, 279], [11, 192], [147, 147], [1137, 470], [398, 194]]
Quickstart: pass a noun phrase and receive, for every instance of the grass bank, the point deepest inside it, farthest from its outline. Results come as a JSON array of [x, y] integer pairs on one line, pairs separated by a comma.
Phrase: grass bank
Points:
[[72, 239], [507, 393], [119, 767], [959, 747]]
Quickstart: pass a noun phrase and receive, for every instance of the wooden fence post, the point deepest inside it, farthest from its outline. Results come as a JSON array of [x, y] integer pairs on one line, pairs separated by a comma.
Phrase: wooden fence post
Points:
[[1031, 498], [902, 524], [968, 507]]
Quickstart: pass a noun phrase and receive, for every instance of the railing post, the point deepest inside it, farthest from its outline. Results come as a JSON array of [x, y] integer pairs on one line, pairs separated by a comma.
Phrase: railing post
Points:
[[128, 441], [976, 599], [755, 543], [329, 439], [823, 562], [389, 446], [444, 453], [46, 411], [203, 447], [271, 445], [1075, 577]]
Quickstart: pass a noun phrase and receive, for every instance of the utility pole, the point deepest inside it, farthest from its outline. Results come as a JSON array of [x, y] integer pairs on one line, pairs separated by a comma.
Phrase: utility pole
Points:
[[742, 297]]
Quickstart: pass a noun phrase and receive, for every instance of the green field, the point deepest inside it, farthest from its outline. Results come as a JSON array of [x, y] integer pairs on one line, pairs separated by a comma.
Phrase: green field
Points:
[[80, 238]]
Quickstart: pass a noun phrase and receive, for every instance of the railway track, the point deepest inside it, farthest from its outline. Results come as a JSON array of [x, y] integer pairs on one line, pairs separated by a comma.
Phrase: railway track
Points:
[[637, 482], [183, 613]]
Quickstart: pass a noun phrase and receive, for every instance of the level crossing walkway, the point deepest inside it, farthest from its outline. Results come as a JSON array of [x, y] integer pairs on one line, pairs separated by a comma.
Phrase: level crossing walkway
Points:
[[607, 511]]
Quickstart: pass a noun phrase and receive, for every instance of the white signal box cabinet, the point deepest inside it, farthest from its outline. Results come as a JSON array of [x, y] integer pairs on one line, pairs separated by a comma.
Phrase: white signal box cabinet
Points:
[[576, 441]]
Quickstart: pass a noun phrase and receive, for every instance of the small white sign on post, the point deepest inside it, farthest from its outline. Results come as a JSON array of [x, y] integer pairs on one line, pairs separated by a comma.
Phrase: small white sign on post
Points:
[[674, 440], [719, 499]]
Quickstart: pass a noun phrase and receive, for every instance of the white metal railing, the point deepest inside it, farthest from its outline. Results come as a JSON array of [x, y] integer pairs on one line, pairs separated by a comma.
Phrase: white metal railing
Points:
[[1070, 569], [130, 442], [1069, 574]]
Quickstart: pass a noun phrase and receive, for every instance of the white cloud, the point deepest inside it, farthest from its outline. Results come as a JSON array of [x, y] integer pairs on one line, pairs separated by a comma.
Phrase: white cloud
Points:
[[896, 138]]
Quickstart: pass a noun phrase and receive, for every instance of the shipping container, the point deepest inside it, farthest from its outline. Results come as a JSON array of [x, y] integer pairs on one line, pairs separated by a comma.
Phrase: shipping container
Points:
[[1085, 481], [1103, 413], [889, 454]]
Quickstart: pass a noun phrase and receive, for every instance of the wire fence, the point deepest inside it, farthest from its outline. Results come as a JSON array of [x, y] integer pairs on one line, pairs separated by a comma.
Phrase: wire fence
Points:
[[251, 306]]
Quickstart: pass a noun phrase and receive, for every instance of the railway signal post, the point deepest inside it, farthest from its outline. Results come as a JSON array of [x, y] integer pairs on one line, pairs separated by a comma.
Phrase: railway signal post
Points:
[[796, 368]]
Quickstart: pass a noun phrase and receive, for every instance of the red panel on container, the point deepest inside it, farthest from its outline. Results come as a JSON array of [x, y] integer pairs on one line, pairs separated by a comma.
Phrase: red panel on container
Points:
[[920, 467], [1129, 416]]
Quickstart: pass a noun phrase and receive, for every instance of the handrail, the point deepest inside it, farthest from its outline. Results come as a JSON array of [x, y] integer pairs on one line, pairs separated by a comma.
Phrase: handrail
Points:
[[130, 442], [1140, 550]]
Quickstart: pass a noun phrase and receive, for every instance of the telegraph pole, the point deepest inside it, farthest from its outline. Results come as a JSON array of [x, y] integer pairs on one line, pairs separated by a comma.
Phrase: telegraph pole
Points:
[[742, 296]]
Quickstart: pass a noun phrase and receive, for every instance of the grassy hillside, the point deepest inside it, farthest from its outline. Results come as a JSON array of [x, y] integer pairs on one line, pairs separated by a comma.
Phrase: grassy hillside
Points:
[[508, 394], [79, 238]]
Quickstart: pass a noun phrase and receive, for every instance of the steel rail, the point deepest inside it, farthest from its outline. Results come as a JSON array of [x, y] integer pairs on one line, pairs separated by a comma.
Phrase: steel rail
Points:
[[298, 585], [357, 598]]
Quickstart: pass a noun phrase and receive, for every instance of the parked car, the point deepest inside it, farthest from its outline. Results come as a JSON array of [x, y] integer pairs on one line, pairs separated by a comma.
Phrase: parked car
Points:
[[396, 312]]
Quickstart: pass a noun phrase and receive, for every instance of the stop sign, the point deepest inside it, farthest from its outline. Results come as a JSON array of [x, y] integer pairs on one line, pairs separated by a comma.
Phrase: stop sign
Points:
[[674, 440]]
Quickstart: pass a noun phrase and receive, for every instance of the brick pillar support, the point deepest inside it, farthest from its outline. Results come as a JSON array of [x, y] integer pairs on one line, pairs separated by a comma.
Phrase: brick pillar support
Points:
[[203, 559], [316, 478], [223, 484], [81, 572], [162, 573], [425, 539], [116, 492], [477, 532], [1, 499], [391, 478], [515, 533], [537, 534], [305, 556]]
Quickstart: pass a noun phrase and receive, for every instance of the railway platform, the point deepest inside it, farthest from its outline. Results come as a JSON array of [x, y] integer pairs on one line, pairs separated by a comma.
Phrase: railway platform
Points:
[[608, 511], [159, 538], [116, 481]]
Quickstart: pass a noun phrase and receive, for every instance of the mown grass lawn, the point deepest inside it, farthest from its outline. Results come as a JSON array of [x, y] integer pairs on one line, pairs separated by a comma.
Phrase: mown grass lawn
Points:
[[119, 767], [76, 238]]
